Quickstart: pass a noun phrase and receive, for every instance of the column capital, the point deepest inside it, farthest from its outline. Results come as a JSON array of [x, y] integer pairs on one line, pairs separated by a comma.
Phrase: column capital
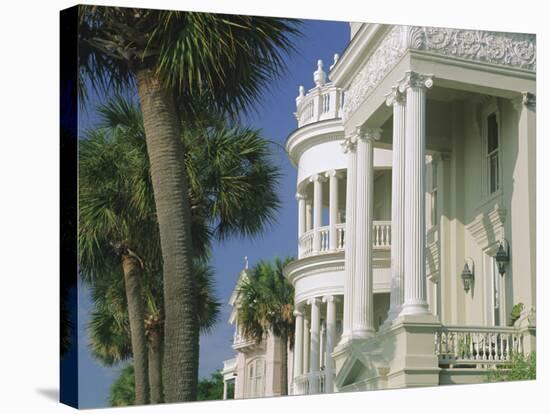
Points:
[[330, 298], [349, 144], [371, 134], [313, 301], [527, 99], [297, 313], [415, 80], [333, 173], [300, 196], [317, 177], [395, 96]]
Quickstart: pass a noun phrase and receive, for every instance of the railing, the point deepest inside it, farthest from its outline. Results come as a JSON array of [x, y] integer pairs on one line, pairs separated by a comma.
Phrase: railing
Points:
[[241, 341], [340, 239], [320, 103], [476, 347], [324, 235], [306, 384], [382, 234], [306, 244], [381, 238]]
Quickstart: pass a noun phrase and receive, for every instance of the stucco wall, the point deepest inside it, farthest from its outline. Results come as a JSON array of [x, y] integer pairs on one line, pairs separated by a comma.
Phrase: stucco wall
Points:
[[466, 202]]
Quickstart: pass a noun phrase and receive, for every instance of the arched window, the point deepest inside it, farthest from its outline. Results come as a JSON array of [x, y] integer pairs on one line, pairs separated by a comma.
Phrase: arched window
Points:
[[255, 378]]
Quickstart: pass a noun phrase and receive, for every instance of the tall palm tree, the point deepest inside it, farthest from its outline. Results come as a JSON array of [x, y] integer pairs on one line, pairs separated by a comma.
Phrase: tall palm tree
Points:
[[232, 191], [266, 305], [175, 57], [109, 323], [117, 230]]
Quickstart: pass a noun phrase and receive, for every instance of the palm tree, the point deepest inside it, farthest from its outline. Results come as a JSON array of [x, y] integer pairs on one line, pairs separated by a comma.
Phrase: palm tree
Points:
[[266, 305], [117, 229], [232, 178], [109, 325], [232, 191], [122, 393], [175, 58]]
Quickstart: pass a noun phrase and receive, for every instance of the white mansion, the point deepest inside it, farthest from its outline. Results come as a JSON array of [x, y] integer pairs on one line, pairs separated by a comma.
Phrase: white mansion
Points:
[[416, 210]]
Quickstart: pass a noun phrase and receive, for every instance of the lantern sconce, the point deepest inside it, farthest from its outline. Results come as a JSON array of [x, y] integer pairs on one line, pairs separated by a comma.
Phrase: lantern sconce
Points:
[[467, 274], [502, 257]]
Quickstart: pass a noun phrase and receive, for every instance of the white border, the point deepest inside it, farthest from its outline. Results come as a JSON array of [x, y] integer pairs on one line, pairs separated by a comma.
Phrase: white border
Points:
[[29, 204]]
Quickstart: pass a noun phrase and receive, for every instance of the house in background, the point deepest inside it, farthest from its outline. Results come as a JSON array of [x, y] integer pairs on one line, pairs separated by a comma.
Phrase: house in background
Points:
[[420, 146], [256, 369]]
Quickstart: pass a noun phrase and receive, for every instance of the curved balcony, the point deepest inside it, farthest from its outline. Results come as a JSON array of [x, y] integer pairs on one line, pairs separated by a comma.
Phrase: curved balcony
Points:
[[319, 104], [306, 243]]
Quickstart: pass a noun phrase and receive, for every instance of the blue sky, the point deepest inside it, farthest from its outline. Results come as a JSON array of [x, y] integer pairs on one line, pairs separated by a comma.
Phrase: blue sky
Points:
[[275, 118]]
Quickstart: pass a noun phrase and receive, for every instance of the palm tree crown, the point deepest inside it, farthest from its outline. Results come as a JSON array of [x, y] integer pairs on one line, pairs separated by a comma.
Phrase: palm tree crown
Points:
[[266, 301]]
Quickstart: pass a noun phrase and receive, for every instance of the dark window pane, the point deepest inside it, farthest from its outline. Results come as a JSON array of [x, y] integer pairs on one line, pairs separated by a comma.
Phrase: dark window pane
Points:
[[493, 173], [492, 133]]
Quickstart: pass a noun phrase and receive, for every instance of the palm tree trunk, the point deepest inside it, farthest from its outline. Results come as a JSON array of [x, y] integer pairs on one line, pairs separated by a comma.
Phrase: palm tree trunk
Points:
[[155, 367], [166, 157], [136, 314], [284, 365]]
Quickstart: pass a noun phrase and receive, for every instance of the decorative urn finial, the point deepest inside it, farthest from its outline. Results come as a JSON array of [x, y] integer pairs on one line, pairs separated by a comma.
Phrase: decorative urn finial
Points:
[[336, 57], [319, 76], [301, 95]]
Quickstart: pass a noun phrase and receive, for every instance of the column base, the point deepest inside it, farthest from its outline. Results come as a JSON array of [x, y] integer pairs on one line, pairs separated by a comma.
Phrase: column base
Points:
[[393, 313], [362, 333], [415, 308]]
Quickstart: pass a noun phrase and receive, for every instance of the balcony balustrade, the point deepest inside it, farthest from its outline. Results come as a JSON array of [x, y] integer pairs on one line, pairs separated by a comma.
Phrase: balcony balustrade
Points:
[[381, 238], [476, 347], [301, 385], [319, 104]]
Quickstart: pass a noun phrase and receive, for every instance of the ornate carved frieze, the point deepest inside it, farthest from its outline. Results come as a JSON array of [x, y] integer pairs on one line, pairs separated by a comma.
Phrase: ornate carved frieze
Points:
[[377, 66], [507, 49], [510, 49]]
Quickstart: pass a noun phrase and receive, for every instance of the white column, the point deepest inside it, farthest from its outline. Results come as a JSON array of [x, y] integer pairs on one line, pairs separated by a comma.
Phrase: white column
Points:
[[301, 220], [305, 353], [309, 214], [363, 312], [322, 344], [350, 148], [415, 86], [524, 201], [314, 348], [396, 99], [299, 343], [331, 339], [301, 214], [333, 176], [317, 181], [224, 389]]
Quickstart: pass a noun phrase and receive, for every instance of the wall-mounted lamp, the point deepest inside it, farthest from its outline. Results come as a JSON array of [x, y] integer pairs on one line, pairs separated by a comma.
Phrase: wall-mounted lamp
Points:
[[502, 257], [467, 274]]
